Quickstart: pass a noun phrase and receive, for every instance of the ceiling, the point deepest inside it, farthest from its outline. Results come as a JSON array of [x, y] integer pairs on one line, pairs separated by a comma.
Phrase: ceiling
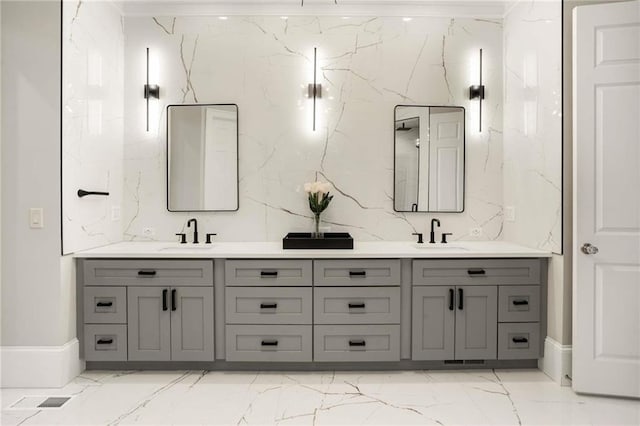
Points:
[[468, 8]]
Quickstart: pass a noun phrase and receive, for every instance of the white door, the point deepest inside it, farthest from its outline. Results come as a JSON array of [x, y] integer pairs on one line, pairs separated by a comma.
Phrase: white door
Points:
[[606, 298], [446, 160]]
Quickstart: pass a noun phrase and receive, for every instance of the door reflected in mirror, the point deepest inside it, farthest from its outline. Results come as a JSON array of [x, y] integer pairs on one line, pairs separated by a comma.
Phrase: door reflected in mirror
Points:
[[429, 159], [202, 157]]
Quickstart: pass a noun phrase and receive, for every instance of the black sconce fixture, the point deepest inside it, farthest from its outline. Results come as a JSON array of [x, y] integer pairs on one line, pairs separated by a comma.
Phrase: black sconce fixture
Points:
[[477, 92], [314, 90], [150, 90]]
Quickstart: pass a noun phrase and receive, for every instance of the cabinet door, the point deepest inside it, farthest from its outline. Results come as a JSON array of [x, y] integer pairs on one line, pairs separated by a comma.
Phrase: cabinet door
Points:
[[192, 324], [433, 323], [149, 324], [476, 322]]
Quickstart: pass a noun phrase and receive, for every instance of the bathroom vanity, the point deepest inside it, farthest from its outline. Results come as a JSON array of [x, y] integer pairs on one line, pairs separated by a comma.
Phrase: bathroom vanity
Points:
[[256, 306]]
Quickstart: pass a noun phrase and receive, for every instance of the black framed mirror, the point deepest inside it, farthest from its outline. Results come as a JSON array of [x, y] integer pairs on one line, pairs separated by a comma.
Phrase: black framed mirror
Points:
[[429, 158], [202, 157]]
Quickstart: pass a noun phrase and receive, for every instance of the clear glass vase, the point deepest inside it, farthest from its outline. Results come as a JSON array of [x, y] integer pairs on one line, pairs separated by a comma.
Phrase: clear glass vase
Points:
[[316, 230]]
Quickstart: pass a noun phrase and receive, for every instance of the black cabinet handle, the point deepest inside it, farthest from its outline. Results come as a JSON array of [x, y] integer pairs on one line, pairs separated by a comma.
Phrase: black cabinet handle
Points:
[[520, 302], [174, 304], [451, 297], [360, 343], [269, 343], [104, 304], [268, 306], [520, 340], [460, 299], [164, 299], [360, 305], [104, 341], [476, 271], [146, 273], [357, 273], [268, 273], [82, 193]]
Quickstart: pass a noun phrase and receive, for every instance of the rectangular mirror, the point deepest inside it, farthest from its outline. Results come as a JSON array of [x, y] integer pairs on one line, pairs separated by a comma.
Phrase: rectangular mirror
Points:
[[202, 157], [428, 159]]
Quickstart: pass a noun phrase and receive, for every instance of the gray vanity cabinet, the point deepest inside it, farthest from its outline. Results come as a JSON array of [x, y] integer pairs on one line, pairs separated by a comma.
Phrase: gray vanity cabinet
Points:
[[476, 322], [170, 323], [434, 323]]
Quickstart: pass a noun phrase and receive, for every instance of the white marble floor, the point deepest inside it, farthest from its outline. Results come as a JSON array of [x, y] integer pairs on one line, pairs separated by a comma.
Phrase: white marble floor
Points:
[[343, 398]]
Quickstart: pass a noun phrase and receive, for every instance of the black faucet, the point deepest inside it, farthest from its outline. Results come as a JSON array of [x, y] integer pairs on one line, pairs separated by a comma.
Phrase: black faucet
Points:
[[195, 229], [432, 235]]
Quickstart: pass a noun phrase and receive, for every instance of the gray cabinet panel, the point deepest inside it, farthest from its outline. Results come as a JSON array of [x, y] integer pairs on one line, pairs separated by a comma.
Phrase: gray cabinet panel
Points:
[[192, 324], [149, 325], [476, 322], [519, 340], [476, 271], [519, 304], [105, 342], [105, 305], [433, 323], [268, 272], [269, 343], [143, 272], [268, 305], [338, 343], [356, 272], [357, 305]]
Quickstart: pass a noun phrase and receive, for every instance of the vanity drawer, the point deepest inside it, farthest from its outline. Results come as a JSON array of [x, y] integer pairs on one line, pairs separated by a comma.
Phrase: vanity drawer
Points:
[[268, 272], [519, 340], [105, 305], [268, 305], [337, 343], [356, 272], [357, 305], [269, 343], [141, 272], [519, 303], [105, 342], [476, 271]]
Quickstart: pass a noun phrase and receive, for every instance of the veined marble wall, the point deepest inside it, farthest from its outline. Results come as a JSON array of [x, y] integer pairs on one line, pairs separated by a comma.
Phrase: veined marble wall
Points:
[[93, 99], [533, 123], [263, 64]]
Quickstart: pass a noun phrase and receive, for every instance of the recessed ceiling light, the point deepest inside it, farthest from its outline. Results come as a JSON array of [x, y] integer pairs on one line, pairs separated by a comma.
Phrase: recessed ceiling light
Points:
[[284, 17], [223, 18], [406, 19]]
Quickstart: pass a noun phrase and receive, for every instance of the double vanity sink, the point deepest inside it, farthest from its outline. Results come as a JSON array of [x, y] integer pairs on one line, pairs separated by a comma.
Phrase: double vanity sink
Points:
[[241, 305]]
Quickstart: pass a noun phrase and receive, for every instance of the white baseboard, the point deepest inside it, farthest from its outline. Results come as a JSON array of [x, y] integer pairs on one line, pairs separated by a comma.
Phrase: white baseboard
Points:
[[40, 366], [556, 362]]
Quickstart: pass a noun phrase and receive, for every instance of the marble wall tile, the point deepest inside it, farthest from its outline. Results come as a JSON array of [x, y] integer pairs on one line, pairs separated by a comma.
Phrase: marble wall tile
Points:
[[263, 64], [92, 121], [533, 123]]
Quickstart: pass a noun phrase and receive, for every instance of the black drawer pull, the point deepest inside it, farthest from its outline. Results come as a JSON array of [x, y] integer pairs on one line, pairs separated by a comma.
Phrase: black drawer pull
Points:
[[519, 340], [520, 302], [476, 271], [174, 303], [146, 273], [268, 273], [269, 343], [360, 343], [360, 305], [104, 341], [460, 299], [268, 306], [104, 304], [357, 273], [452, 295]]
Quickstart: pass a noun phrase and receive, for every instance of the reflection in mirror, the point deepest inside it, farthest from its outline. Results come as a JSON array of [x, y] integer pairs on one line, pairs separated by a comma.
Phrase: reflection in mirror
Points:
[[202, 157], [429, 159]]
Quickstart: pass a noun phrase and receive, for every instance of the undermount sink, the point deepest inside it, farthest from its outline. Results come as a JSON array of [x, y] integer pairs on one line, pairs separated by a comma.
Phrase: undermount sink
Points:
[[187, 247], [438, 246]]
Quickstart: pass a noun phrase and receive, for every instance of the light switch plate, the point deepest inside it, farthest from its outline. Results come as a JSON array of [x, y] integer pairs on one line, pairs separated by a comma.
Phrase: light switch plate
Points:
[[510, 214], [36, 218], [115, 213]]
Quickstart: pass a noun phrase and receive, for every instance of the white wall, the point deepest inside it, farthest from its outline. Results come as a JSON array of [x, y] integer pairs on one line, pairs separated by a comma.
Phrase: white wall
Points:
[[93, 116], [37, 284], [263, 64]]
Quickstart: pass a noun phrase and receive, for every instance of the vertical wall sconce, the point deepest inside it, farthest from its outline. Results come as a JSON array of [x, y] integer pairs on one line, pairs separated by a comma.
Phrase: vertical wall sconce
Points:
[[150, 90], [477, 92], [314, 89]]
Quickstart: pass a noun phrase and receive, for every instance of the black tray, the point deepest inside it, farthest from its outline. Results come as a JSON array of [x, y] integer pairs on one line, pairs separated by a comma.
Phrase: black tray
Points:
[[329, 240]]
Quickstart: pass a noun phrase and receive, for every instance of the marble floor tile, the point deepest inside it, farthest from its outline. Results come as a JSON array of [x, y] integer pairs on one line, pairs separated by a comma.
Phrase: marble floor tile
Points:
[[476, 397]]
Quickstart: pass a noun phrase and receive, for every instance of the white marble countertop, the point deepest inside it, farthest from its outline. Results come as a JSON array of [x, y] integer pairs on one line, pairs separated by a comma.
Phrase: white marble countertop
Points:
[[274, 250]]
